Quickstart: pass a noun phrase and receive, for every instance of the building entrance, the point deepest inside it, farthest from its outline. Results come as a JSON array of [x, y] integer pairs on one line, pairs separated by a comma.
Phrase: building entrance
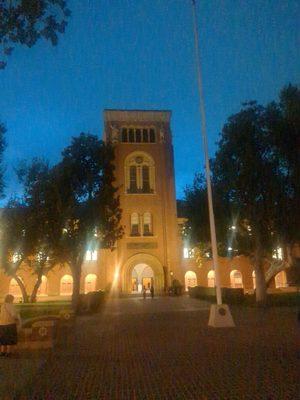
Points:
[[142, 276]]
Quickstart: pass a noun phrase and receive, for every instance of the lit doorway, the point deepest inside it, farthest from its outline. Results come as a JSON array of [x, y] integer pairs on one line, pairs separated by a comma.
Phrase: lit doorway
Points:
[[142, 276]]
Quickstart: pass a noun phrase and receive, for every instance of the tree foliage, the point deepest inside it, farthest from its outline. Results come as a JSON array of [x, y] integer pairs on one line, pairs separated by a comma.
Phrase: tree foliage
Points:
[[26, 21], [30, 230], [256, 182], [89, 207], [2, 148]]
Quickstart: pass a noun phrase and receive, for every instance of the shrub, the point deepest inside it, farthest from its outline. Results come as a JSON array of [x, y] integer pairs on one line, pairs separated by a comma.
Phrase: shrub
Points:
[[91, 302], [229, 295]]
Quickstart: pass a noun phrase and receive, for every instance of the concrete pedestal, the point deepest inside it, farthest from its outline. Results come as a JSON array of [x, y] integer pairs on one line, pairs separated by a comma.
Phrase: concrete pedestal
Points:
[[220, 316]]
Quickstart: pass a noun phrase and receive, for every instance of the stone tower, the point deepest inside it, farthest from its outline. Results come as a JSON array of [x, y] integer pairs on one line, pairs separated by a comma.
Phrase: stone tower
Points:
[[148, 254]]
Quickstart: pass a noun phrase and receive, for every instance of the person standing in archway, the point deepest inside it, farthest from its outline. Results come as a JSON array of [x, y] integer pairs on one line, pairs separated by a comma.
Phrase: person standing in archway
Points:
[[152, 291], [144, 292]]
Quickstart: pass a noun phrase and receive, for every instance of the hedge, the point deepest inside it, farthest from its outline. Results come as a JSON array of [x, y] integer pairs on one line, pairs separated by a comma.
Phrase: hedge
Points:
[[229, 295]]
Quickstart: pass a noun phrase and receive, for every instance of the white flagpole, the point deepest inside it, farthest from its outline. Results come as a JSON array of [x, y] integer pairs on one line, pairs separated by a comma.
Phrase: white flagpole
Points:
[[207, 167]]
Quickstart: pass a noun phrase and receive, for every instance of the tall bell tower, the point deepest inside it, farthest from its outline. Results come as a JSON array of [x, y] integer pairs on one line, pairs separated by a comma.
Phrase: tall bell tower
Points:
[[148, 254]]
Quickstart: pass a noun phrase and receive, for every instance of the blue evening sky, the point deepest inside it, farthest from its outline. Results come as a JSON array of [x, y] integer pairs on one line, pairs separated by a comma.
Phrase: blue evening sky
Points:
[[139, 54]]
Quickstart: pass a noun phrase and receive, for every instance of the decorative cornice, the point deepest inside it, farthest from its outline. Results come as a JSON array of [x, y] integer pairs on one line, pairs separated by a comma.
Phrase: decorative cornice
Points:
[[137, 115]]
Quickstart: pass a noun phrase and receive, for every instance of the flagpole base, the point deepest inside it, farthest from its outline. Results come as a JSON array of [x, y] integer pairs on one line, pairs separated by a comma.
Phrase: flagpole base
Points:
[[220, 316]]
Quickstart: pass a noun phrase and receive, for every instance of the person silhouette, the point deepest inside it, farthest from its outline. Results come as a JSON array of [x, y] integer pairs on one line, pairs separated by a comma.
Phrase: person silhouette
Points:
[[152, 291]]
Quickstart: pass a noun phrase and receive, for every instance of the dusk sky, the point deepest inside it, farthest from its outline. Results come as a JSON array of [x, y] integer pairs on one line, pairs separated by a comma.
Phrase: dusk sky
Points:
[[139, 55]]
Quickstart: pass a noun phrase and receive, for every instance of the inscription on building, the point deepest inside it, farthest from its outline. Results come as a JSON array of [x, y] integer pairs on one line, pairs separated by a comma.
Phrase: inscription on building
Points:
[[146, 245]]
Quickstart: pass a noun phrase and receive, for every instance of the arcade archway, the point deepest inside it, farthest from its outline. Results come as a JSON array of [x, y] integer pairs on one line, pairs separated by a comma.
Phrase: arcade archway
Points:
[[142, 270]]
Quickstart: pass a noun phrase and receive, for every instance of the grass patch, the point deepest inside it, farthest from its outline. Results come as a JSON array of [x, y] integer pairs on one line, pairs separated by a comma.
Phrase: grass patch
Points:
[[31, 310]]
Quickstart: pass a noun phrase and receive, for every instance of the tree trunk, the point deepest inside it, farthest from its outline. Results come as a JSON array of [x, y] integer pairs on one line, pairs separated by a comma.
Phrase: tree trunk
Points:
[[22, 287], [36, 288], [261, 287], [76, 272]]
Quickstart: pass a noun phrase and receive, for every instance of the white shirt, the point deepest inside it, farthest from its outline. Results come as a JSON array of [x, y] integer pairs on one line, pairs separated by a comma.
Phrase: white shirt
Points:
[[9, 314]]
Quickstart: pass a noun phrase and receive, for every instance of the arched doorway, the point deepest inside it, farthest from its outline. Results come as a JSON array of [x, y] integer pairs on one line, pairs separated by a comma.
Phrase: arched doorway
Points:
[[190, 279], [142, 276], [211, 278], [280, 280], [236, 279], [90, 283], [14, 288], [43, 289], [66, 285], [254, 280], [142, 269]]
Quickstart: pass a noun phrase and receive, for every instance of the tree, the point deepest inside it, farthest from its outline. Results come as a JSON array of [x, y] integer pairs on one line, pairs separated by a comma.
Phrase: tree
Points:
[[30, 227], [89, 205], [197, 228], [2, 147], [283, 126], [26, 21]]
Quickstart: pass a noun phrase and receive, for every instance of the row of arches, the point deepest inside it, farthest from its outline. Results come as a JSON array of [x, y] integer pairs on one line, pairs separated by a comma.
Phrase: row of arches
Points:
[[66, 285], [236, 279]]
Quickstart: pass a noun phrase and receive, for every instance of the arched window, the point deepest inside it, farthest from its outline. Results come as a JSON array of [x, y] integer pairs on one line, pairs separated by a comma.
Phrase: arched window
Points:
[[280, 280], [236, 279], [211, 278], [254, 279], [43, 289], [190, 279], [147, 224], [66, 285], [90, 283], [139, 173], [134, 224], [14, 288]]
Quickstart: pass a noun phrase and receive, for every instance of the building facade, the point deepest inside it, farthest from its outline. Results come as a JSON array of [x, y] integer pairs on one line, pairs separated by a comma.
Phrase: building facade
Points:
[[151, 252]]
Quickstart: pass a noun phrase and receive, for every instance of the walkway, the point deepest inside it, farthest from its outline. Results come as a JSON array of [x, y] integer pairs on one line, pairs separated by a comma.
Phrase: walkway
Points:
[[163, 349]]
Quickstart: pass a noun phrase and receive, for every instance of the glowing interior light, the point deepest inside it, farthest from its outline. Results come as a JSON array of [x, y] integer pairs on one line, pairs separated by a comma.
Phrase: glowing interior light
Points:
[[185, 252], [229, 249]]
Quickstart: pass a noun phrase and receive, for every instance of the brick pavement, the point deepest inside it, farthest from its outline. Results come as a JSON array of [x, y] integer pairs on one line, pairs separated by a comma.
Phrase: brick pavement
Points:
[[163, 349]]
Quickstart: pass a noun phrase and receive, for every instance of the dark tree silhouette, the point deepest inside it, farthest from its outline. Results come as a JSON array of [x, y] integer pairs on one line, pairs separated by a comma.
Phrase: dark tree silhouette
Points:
[[26, 21]]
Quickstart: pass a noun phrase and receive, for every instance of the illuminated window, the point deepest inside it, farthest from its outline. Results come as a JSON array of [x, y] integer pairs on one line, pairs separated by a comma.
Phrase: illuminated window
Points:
[[91, 255], [66, 285], [211, 278], [236, 279], [90, 283], [147, 224], [188, 253], [190, 279], [134, 224], [14, 288], [280, 280], [43, 289], [139, 173], [277, 253], [16, 257]]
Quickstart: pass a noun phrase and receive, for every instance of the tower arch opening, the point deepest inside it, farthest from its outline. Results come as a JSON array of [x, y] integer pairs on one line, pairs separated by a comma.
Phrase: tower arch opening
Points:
[[142, 270]]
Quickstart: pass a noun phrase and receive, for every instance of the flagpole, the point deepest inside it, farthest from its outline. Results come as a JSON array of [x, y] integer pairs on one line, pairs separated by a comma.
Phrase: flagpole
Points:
[[208, 182]]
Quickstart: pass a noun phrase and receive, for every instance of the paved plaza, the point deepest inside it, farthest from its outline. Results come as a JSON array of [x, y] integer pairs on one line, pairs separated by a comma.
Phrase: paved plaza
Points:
[[163, 349]]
